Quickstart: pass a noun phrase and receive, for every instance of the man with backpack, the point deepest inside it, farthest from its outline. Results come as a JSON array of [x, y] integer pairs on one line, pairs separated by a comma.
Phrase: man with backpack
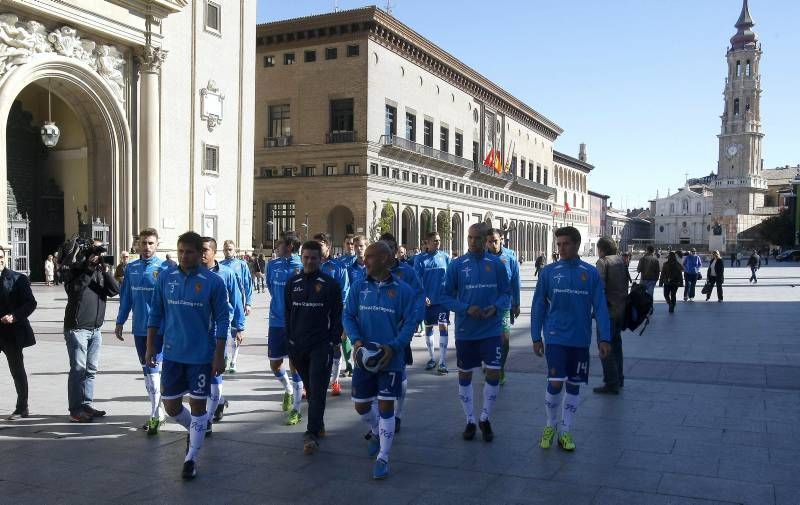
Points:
[[614, 274], [649, 270]]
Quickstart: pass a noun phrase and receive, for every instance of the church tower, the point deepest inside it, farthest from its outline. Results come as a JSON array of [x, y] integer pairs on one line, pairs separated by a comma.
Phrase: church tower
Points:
[[739, 188]]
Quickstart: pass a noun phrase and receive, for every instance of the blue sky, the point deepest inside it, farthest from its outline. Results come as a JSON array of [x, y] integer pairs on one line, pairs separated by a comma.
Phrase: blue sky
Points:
[[640, 81]]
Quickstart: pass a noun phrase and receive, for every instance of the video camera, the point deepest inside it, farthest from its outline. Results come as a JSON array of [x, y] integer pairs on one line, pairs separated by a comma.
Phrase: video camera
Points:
[[77, 250]]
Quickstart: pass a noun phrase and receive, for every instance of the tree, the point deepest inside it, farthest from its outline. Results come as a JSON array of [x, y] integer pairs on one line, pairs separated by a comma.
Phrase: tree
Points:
[[778, 230], [384, 224]]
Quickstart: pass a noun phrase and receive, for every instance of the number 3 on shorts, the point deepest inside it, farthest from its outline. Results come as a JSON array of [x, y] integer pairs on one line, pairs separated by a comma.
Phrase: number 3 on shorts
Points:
[[201, 380]]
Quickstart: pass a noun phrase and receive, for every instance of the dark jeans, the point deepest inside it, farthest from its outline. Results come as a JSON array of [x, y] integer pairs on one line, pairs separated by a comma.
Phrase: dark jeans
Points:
[[713, 281], [13, 352], [690, 281], [314, 367], [83, 347], [753, 275], [670, 293], [612, 365]]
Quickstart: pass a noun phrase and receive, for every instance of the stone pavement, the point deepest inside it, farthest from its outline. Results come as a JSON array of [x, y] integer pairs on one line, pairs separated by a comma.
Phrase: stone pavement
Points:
[[708, 416]]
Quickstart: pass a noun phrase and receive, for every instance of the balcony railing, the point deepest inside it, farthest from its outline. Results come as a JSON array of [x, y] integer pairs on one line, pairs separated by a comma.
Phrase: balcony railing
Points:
[[483, 169], [534, 185], [340, 137], [407, 145], [283, 141]]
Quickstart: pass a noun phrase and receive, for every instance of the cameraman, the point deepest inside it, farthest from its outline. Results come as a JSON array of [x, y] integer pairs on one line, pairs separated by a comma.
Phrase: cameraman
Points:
[[88, 285]]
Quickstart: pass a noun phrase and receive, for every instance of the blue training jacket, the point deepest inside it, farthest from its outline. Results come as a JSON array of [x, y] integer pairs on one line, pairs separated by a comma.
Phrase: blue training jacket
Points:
[[510, 261], [382, 312], [137, 290], [241, 269], [356, 272], [431, 268], [280, 270], [477, 279], [569, 293], [336, 270], [346, 260], [405, 273], [187, 304], [233, 285]]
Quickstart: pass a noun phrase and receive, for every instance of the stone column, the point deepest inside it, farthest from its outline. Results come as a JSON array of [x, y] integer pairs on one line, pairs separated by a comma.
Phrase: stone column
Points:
[[150, 60]]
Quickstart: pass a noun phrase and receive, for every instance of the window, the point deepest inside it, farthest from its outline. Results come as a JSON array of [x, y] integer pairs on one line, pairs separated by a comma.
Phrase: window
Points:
[[395, 173], [459, 144], [699, 208], [390, 122], [308, 171], [428, 133], [469, 190], [211, 160], [411, 127], [439, 183], [279, 121], [738, 68], [530, 170], [514, 165], [444, 139], [288, 59], [735, 106], [331, 53], [352, 50], [330, 169], [385, 171], [433, 182], [672, 208], [423, 180], [342, 115], [545, 176], [460, 188], [475, 153], [269, 61], [266, 172], [351, 169], [281, 215], [447, 185], [405, 175], [747, 69], [310, 56], [373, 169], [415, 178], [213, 13]]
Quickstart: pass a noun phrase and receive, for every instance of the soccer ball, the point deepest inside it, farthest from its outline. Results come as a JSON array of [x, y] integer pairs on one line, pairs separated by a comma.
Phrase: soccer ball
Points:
[[368, 356]]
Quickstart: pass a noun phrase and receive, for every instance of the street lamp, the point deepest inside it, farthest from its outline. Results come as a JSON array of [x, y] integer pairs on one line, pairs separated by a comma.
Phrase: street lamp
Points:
[[49, 132]]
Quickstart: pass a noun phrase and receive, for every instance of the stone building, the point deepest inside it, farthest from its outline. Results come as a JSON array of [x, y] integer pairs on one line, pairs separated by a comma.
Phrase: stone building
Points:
[[684, 217], [364, 125], [598, 209], [153, 100]]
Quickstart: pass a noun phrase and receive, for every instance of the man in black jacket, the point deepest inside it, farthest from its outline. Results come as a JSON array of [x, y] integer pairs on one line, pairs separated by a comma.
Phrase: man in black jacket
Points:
[[16, 305], [88, 286], [313, 328]]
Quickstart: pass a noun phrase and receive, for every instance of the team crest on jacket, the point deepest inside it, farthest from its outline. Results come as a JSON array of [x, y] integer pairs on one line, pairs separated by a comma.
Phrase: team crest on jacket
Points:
[[504, 261], [317, 287], [198, 287], [489, 267], [155, 274], [392, 293], [583, 276], [296, 271]]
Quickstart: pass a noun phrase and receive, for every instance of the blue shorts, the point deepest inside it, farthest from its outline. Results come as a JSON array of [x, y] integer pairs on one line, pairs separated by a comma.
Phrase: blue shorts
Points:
[[436, 314], [180, 379], [277, 345], [470, 354], [566, 363], [141, 349], [367, 386]]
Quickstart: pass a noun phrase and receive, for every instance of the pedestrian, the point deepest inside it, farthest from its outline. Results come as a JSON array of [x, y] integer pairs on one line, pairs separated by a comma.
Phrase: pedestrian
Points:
[[313, 304], [119, 271], [170, 260], [733, 259], [715, 276], [241, 268], [16, 305], [614, 275], [648, 268], [89, 285], [538, 264], [691, 272], [671, 279], [431, 268], [754, 263], [49, 270], [739, 258], [569, 294]]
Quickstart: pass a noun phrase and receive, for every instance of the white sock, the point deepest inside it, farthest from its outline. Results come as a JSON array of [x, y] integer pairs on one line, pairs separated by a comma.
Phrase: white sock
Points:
[[184, 418], [229, 343], [337, 362], [213, 398], [568, 412], [297, 394], [148, 386], [197, 433], [552, 404], [398, 411], [284, 378], [371, 420], [235, 352], [155, 397], [442, 349], [465, 395], [489, 397], [429, 343], [386, 430]]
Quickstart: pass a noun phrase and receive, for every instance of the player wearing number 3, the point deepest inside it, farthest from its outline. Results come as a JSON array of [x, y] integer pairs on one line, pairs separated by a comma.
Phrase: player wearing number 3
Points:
[[568, 295]]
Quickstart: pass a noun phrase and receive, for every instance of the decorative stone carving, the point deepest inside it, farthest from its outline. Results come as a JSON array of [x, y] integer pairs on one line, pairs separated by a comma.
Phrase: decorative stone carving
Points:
[[151, 58], [211, 101], [21, 40]]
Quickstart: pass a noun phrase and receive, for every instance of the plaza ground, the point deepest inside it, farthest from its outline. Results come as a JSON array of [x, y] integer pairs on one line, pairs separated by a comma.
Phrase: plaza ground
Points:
[[708, 416]]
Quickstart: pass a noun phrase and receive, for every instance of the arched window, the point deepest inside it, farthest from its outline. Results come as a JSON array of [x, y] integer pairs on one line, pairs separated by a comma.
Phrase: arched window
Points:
[[735, 106], [672, 208], [582, 202], [747, 69], [685, 205], [565, 197], [738, 68], [699, 208], [574, 200]]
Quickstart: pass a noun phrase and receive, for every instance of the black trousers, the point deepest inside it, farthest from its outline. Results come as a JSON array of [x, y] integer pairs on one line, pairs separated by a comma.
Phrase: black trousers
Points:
[[612, 365], [16, 365], [314, 366], [670, 292], [714, 282]]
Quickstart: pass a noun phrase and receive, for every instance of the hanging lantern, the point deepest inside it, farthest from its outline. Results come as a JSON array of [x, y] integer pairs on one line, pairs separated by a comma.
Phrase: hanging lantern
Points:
[[49, 132]]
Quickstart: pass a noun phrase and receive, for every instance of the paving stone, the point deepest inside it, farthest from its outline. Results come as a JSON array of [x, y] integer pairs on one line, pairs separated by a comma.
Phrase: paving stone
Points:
[[693, 486]]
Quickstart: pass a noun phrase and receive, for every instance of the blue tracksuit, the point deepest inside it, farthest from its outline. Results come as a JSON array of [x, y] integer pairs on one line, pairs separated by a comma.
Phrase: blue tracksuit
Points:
[[339, 273], [187, 304], [241, 269], [477, 279], [279, 270], [404, 272], [346, 260], [509, 259], [382, 312], [356, 272], [235, 295], [568, 295], [137, 290], [432, 271]]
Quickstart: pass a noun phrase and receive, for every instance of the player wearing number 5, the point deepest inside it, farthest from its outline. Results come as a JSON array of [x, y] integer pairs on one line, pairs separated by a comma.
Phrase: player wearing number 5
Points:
[[568, 295], [189, 300], [380, 315]]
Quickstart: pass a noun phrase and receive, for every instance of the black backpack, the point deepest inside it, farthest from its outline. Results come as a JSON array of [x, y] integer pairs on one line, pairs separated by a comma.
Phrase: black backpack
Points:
[[638, 307]]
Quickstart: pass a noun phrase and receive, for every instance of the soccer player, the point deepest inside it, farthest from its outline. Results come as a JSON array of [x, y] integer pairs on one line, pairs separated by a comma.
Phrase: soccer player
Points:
[[478, 291], [335, 269], [355, 272], [348, 252], [135, 293], [279, 270], [313, 327], [241, 269], [568, 295], [494, 245], [381, 310], [216, 401], [431, 268], [187, 301]]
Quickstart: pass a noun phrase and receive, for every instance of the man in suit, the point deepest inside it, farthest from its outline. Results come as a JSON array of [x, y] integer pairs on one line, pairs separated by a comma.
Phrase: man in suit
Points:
[[16, 305]]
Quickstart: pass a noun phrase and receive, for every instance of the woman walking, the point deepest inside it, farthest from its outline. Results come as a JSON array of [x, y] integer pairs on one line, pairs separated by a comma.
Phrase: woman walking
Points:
[[715, 276], [49, 270], [671, 279]]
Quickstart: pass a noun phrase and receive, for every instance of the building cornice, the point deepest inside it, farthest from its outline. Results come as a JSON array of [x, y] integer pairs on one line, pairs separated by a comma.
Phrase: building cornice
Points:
[[156, 8], [571, 162]]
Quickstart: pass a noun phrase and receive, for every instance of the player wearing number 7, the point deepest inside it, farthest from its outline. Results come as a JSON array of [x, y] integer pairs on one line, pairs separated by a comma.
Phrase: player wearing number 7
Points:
[[568, 295]]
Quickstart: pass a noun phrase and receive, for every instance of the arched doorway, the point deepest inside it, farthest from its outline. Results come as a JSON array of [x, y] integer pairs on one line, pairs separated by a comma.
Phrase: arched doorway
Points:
[[458, 235], [340, 223], [488, 219], [389, 218], [521, 240], [408, 228], [445, 229], [531, 241], [425, 224], [91, 165]]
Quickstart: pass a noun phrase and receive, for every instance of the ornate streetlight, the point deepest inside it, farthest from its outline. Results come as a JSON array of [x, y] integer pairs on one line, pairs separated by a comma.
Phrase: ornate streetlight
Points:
[[49, 132]]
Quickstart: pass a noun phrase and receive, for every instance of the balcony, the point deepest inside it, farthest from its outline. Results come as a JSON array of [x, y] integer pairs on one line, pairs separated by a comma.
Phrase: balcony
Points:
[[535, 186], [340, 137], [270, 142], [423, 154]]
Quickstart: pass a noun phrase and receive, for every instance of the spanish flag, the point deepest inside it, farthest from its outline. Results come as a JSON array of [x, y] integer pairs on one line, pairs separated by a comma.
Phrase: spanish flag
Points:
[[489, 161], [498, 164], [567, 208]]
